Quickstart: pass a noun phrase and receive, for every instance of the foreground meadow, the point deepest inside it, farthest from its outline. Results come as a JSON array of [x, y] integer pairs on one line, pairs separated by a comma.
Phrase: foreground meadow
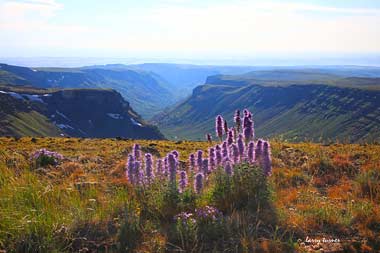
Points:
[[319, 198]]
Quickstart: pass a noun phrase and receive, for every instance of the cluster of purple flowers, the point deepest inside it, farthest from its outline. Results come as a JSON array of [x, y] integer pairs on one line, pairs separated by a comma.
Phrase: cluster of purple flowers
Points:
[[240, 146], [185, 218], [45, 156], [143, 172], [207, 213], [237, 147]]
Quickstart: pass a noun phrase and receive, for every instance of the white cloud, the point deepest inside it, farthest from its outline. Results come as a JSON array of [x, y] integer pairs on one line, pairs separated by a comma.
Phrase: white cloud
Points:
[[244, 28]]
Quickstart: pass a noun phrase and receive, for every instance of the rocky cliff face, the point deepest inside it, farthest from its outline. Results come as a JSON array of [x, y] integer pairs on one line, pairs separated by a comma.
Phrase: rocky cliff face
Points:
[[76, 112]]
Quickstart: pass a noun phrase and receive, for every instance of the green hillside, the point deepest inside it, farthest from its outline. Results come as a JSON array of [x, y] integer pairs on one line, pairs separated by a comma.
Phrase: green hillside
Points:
[[293, 112]]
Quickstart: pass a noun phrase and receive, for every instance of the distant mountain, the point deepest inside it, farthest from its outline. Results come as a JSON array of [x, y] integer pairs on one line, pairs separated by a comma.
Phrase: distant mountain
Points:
[[183, 78], [284, 77], [287, 106], [70, 112], [145, 91]]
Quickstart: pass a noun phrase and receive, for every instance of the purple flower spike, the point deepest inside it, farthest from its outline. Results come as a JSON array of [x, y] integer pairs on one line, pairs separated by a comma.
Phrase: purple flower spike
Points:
[[235, 153], [159, 167], [225, 149], [212, 162], [166, 167], [199, 160], [237, 120], [137, 152], [251, 152], [266, 159], [205, 168], [259, 151], [182, 181], [230, 137], [131, 169], [172, 168], [192, 162], [149, 167], [176, 154], [228, 168], [241, 146], [139, 174], [218, 155], [198, 183], [248, 129], [225, 127], [219, 127], [209, 138]]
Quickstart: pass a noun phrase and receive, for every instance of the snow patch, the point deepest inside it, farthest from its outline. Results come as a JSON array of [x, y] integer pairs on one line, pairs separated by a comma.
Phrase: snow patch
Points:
[[34, 98], [16, 95], [62, 115], [115, 116], [64, 126], [134, 122]]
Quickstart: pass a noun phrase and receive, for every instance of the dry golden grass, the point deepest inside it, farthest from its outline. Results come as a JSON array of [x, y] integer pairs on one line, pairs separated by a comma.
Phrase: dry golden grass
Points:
[[331, 191]]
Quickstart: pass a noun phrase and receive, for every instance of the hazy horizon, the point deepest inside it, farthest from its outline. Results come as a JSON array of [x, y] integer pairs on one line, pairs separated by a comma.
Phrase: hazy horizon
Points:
[[365, 61], [205, 32]]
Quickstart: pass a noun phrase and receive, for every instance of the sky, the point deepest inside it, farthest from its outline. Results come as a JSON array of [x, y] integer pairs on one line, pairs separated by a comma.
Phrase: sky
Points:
[[235, 29]]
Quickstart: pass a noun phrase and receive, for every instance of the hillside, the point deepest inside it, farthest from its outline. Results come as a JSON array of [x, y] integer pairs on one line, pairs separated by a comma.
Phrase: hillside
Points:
[[291, 112], [78, 112], [145, 91]]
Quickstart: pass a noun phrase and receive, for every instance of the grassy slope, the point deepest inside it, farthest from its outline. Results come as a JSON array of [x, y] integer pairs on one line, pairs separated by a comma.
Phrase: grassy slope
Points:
[[318, 191], [296, 113], [31, 124]]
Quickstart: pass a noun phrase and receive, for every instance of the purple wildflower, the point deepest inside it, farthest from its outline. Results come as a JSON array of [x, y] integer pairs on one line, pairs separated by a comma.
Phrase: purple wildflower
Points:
[[199, 159], [219, 127], [251, 152], [149, 167], [266, 159], [192, 162], [54, 157], [209, 138], [241, 146], [205, 168], [258, 151], [185, 218], [159, 167], [198, 183], [166, 167], [139, 174], [225, 149], [176, 154], [172, 168], [245, 112], [182, 181], [228, 168], [248, 129], [237, 120], [218, 155], [235, 153], [212, 162], [230, 137], [131, 169], [208, 213], [225, 127], [137, 152]]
